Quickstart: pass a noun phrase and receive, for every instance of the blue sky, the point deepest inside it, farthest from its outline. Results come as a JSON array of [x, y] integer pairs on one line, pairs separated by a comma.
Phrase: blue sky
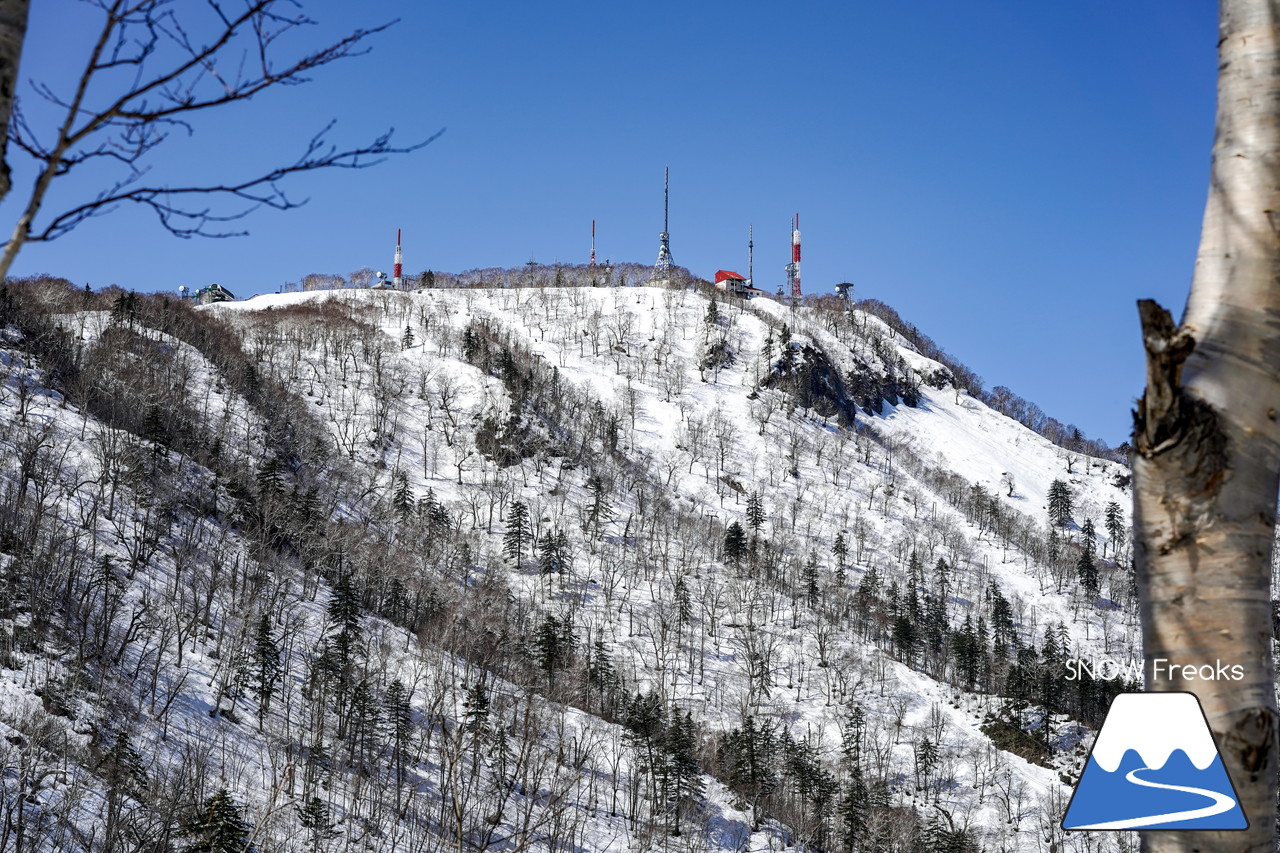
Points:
[[1010, 176]]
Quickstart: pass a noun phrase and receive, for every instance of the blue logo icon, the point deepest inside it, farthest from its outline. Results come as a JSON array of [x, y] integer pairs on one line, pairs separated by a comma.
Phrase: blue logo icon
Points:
[[1155, 766]]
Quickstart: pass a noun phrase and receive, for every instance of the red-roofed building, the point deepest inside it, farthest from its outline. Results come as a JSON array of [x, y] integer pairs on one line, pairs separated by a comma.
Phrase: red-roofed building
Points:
[[735, 284]]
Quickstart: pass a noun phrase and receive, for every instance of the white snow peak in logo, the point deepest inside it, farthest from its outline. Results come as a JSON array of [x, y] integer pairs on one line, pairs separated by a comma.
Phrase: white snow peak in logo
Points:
[[1154, 766]]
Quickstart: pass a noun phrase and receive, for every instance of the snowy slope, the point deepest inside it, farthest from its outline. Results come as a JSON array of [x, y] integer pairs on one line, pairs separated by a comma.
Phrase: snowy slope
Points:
[[231, 483]]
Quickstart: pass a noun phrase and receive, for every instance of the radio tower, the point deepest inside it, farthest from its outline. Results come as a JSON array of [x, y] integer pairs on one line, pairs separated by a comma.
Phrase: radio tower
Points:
[[395, 272], [793, 268], [593, 242], [662, 269], [751, 278]]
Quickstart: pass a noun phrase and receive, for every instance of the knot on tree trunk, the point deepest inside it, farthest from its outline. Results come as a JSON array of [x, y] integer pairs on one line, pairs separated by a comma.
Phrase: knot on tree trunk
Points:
[[1170, 421]]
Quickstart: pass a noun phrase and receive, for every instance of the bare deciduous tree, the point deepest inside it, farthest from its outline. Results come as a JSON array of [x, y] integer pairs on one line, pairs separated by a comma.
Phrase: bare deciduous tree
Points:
[[153, 65]]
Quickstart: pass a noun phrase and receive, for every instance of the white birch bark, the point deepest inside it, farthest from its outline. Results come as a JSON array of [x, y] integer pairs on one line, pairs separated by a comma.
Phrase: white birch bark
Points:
[[1207, 439], [13, 29]]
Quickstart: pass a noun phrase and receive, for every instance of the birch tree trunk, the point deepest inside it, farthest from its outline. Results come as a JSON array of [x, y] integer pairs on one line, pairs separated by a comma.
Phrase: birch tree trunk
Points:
[[13, 29], [1207, 440]]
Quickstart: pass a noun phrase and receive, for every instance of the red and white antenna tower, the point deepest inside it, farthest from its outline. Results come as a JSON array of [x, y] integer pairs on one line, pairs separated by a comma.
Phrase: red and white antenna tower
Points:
[[793, 268], [795, 257], [395, 273], [593, 242]]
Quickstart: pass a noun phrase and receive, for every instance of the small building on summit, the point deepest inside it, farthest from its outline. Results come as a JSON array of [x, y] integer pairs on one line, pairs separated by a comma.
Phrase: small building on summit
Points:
[[735, 284], [213, 293]]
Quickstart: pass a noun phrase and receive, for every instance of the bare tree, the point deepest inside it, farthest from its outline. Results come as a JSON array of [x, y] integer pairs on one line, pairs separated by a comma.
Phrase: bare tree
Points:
[[153, 65], [1207, 436]]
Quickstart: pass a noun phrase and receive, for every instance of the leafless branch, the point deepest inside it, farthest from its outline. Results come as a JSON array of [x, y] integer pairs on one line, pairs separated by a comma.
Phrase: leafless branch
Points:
[[161, 61], [262, 191]]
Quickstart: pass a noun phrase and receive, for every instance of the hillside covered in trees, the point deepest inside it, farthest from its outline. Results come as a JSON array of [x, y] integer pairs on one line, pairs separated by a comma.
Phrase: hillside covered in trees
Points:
[[508, 568]]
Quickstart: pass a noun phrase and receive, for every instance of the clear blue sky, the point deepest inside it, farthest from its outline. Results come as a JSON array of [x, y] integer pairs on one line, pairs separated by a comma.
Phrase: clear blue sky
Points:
[[1011, 176]]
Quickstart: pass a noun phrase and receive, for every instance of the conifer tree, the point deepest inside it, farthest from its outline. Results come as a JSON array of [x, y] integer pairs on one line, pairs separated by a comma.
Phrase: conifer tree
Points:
[[399, 722], [219, 828], [810, 579], [1113, 520], [406, 340], [686, 782], [553, 554], [476, 715], [683, 601], [517, 532], [755, 512], [1060, 503], [402, 495], [852, 814], [1087, 571], [125, 776], [313, 815], [601, 674], [267, 668], [735, 544]]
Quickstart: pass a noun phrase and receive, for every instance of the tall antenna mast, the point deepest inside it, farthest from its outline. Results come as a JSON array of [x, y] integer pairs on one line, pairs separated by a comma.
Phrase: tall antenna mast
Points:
[[793, 268], [396, 269], [593, 242], [751, 278], [662, 269]]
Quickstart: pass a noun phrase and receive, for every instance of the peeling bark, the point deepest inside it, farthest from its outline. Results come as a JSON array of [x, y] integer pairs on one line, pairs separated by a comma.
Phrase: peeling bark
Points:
[[1207, 444]]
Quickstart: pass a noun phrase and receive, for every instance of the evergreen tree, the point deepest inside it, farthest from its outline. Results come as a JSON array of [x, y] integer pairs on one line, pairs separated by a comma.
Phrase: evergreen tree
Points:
[[646, 725], [517, 532], [553, 554], [1003, 633], [267, 668], [1088, 574], [219, 828], [713, 313], [809, 578], [476, 704], [905, 637], [735, 544], [122, 767], [747, 761], [755, 512], [852, 814], [125, 777], [967, 653], [927, 756], [600, 672], [686, 777], [1113, 520], [1060, 503], [406, 340], [553, 645], [402, 495], [471, 347], [683, 601], [1088, 537], [398, 714], [946, 837], [766, 351], [313, 815]]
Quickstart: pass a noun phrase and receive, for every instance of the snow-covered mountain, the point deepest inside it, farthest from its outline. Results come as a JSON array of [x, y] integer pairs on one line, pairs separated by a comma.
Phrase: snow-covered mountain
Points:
[[605, 569]]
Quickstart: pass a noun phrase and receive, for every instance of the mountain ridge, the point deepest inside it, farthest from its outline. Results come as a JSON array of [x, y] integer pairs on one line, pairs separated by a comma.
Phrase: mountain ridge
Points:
[[377, 443]]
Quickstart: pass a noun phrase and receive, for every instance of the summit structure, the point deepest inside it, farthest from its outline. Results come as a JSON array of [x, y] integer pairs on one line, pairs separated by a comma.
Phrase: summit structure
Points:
[[662, 269]]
